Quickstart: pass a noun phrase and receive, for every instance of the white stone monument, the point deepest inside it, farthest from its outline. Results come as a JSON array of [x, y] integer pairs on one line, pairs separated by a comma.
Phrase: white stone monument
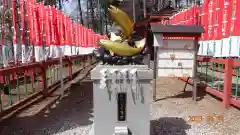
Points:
[[121, 99]]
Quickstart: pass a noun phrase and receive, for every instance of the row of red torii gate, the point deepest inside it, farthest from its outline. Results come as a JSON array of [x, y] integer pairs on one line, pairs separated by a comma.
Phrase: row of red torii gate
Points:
[[220, 19], [41, 32]]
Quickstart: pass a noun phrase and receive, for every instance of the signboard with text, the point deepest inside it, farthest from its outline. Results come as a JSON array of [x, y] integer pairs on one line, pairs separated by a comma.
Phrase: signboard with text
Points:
[[176, 58]]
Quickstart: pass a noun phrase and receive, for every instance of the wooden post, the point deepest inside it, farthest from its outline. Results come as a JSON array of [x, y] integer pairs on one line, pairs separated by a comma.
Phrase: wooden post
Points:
[[70, 66], [194, 77], [227, 88], [43, 79]]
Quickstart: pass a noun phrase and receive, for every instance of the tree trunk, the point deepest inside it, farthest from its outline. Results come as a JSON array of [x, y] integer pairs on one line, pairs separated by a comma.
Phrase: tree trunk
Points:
[[92, 15], [80, 11]]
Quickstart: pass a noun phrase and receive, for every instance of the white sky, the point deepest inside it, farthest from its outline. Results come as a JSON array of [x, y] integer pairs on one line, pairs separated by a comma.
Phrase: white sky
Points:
[[72, 5]]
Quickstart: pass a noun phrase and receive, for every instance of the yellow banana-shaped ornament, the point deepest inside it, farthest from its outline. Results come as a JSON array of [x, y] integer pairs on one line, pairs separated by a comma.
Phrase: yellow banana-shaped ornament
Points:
[[121, 49], [122, 20]]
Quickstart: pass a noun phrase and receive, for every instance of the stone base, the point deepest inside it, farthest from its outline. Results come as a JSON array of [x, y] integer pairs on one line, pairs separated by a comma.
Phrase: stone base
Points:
[[106, 99]]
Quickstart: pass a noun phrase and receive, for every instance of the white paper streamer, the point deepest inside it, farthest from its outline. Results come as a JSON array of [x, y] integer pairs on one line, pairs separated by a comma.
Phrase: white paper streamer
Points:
[[103, 78]]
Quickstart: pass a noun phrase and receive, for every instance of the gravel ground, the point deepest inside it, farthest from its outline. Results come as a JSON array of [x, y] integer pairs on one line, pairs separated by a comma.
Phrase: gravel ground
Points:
[[172, 111], [73, 114]]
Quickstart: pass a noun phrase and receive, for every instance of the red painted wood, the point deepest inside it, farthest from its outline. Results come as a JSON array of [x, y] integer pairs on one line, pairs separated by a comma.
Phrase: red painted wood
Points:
[[227, 83]]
